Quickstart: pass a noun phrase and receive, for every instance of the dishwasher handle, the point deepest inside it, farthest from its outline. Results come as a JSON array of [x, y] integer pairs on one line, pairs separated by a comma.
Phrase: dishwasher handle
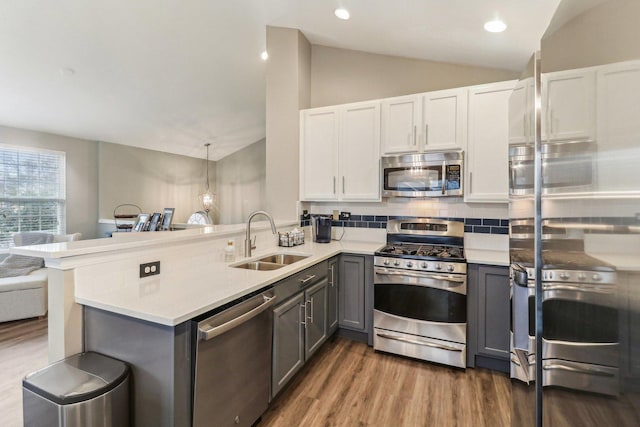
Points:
[[207, 332]]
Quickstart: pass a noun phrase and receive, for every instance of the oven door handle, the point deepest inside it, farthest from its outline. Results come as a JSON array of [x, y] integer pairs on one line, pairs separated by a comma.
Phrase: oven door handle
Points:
[[385, 272], [419, 342], [595, 372], [604, 291]]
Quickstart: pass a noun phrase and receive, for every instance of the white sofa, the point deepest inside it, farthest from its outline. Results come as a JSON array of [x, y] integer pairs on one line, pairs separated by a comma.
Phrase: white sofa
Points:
[[22, 297]]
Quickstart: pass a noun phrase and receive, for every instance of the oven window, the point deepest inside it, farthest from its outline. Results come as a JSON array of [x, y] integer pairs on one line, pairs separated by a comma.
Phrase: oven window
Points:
[[423, 178], [574, 321], [421, 303]]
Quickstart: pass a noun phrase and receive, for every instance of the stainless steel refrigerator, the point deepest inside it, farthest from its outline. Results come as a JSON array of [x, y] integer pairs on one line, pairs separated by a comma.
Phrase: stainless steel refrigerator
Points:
[[574, 173]]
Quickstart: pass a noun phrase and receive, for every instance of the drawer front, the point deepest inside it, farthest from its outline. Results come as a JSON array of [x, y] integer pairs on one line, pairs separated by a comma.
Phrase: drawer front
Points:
[[300, 281]]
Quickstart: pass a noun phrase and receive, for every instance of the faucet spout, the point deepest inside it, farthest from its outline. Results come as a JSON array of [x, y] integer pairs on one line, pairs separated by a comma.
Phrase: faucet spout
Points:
[[248, 245]]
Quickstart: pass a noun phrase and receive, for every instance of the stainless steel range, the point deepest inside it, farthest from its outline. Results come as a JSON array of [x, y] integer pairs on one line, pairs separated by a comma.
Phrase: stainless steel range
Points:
[[420, 291], [580, 343]]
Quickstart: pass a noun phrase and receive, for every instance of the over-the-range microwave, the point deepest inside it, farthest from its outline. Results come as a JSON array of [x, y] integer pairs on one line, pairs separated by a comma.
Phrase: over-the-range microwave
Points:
[[433, 174]]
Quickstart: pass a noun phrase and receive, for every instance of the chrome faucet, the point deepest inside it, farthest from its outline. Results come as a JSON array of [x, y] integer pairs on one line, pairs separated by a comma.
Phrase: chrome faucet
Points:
[[248, 244]]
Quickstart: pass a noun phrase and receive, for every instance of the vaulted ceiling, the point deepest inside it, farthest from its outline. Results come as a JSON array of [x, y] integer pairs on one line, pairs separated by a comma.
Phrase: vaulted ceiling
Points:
[[170, 76]]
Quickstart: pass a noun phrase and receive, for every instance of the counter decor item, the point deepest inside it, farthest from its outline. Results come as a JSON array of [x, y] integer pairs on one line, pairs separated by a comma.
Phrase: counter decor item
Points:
[[230, 251], [124, 215], [167, 218], [291, 238], [142, 222]]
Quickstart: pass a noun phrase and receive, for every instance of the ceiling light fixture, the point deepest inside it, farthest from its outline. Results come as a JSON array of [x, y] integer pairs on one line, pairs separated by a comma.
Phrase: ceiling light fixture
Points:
[[342, 14], [496, 26], [264, 55], [208, 198]]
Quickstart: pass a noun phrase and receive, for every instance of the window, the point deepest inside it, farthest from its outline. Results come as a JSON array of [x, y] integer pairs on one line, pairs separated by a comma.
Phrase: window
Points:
[[32, 191]]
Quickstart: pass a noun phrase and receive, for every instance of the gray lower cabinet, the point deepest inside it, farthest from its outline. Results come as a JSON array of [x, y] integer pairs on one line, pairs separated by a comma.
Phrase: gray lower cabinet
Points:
[[300, 322], [351, 310], [488, 316], [316, 317], [288, 342], [332, 296]]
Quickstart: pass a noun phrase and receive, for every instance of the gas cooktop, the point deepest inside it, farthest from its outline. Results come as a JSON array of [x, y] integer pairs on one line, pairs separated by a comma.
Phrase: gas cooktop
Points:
[[420, 251]]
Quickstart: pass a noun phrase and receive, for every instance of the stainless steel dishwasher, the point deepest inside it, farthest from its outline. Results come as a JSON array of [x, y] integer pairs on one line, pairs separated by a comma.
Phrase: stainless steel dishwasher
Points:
[[233, 364]]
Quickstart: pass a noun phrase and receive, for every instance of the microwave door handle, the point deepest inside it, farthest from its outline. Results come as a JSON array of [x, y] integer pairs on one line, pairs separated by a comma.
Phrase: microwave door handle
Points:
[[444, 176]]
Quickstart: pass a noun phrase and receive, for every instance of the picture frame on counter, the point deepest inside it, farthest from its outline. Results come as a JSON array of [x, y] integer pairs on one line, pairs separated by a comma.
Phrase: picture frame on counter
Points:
[[141, 222], [155, 220], [167, 218]]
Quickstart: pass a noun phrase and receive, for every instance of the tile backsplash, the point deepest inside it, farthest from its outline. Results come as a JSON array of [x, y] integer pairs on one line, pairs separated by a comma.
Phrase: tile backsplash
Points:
[[471, 225]]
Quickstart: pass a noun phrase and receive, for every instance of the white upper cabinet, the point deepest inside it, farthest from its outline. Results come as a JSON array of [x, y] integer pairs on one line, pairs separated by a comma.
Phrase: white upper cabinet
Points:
[[444, 119], [618, 135], [487, 154], [424, 122], [520, 114], [360, 152], [340, 153], [568, 105], [401, 121], [319, 154]]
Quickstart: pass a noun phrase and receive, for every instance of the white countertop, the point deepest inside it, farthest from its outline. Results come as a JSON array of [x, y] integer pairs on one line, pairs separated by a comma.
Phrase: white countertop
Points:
[[622, 262], [487, 256], [189, 288]]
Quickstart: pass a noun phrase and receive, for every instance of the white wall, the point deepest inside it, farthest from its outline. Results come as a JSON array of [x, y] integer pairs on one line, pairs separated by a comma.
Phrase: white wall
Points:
[[82, 174], [240, 184], [151, 179]]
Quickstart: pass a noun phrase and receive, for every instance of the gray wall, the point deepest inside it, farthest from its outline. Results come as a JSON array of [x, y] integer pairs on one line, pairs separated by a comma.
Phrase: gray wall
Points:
[[577, 45], [287, 89], [240, 184], [82, 174], [151, 179], [339, 76]]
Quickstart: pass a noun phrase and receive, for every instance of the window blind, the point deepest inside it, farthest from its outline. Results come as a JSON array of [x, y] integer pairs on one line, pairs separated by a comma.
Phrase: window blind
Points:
[[33, 196]]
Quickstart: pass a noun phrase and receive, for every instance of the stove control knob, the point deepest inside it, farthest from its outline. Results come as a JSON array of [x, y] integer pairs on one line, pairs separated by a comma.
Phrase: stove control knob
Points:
[[582, 276], [596, 277], [385, 262], [409, 264], [565, 276], [424, 265], [396, 263], [438, 266], [450, 268]]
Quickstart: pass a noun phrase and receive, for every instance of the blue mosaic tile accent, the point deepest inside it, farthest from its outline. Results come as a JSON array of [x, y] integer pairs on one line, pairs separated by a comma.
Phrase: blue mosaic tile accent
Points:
[[490, 221], [504, 222], [499, 230], [382, 218], [468, 229], [481, 229], [355, 218], [473, 221], [368, 218]]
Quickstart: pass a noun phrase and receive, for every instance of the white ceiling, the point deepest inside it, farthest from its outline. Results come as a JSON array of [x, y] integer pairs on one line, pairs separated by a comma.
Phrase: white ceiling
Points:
[[171, 75]]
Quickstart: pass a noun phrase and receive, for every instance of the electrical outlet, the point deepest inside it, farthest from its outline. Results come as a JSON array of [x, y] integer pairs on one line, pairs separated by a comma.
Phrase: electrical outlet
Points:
[[344, 216], [149, 269], [336, 215], [306, 215]]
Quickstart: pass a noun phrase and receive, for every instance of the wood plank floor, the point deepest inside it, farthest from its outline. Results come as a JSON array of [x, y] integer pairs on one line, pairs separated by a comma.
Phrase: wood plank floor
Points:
[[348, 384], [23, 349]]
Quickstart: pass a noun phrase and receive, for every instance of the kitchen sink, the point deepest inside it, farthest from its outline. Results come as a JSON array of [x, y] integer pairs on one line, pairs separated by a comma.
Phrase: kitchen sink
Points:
[[271, 262], [283, 258], [259, 265]]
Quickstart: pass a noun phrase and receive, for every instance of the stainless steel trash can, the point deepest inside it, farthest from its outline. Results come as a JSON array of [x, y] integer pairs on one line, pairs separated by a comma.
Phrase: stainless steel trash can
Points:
[[87, 389]]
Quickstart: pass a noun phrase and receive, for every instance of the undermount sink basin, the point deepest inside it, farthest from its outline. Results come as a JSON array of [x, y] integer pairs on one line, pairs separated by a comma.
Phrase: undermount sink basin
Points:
[[258, 265], [285, 259], [271, 262]]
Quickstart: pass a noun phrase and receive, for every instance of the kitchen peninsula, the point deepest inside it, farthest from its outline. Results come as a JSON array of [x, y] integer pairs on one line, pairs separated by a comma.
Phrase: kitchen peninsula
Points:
[[103, 275]]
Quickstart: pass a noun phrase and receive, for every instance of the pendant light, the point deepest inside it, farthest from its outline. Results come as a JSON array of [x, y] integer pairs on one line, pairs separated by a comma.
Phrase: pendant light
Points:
[[208, 198]]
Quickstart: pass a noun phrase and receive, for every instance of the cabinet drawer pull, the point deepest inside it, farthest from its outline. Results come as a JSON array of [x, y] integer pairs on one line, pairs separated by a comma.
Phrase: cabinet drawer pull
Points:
[[307, 279]]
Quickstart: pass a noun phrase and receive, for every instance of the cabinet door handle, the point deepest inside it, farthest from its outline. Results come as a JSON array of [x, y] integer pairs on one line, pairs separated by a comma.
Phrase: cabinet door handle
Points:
[[307, 279], [334, 185], [304, 314], [331, 275], [444, 177], [470, 182], [343, 185], [426, 134], [310, 302], [415, 132]]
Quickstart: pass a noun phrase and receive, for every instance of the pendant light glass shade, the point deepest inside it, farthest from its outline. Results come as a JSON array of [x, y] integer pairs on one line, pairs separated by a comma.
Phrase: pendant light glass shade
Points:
[[208, 198]]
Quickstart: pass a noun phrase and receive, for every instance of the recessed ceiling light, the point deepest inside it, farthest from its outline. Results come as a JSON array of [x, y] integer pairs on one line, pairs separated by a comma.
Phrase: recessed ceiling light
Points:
[[67, 72], [342, 14], [264, 55], [496, 26]]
